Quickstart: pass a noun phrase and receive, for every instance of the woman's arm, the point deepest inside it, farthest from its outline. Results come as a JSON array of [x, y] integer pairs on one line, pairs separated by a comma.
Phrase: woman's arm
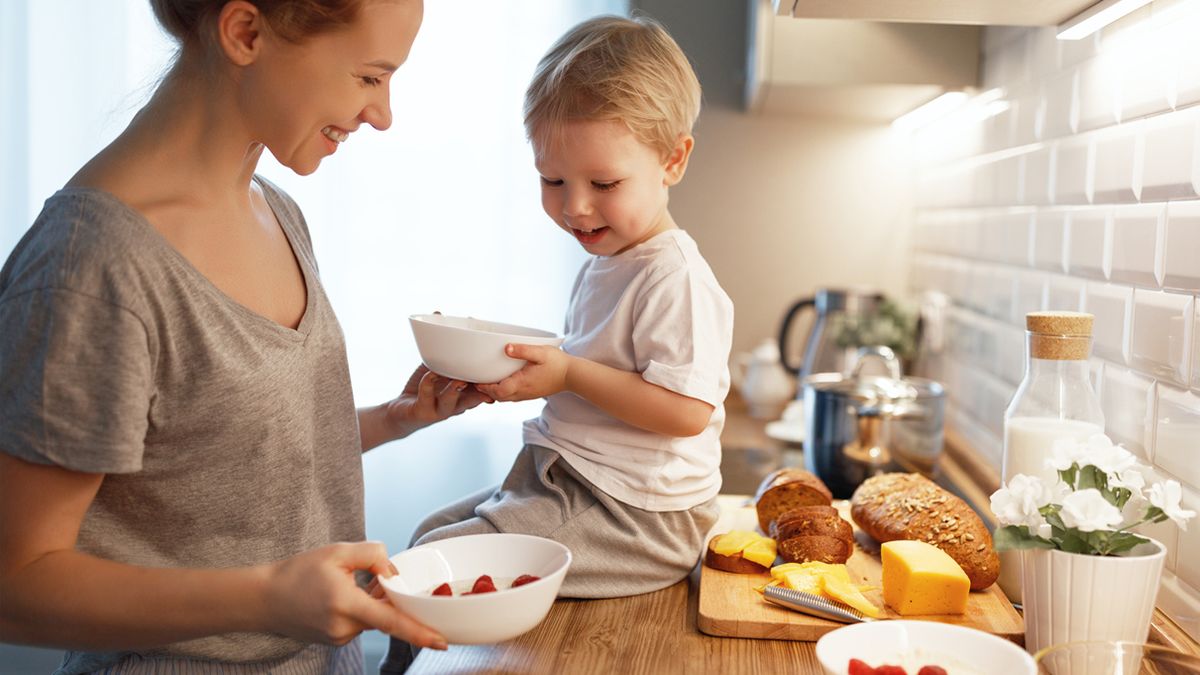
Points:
[[54, 595], [622, 394]]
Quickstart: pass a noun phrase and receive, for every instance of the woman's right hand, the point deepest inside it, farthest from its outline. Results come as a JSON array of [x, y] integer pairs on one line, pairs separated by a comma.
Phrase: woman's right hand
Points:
[[313, 597]]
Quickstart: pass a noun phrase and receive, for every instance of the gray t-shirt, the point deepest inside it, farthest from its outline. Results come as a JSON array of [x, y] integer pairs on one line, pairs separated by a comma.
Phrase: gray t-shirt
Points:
[[226, 438]]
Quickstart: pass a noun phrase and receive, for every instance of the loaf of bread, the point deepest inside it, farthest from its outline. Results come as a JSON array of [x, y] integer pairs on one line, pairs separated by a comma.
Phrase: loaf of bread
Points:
[[809, 533], [896, 506], [786, 489]]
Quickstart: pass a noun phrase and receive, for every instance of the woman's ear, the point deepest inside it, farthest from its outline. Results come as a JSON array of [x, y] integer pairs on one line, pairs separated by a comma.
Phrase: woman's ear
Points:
[[239, 32], [677, 160]]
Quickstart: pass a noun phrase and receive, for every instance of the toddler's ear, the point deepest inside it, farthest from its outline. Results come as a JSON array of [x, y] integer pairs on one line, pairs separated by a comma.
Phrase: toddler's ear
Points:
[[677, 160]]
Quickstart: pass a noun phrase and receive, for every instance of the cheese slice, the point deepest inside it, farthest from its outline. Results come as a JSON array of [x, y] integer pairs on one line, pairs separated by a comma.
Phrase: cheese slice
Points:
[[919, 578], [734, 541], [761, 551]]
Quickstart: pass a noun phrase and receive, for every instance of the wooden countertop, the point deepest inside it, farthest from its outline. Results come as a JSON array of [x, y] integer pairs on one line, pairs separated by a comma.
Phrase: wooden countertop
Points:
[[656, 632]]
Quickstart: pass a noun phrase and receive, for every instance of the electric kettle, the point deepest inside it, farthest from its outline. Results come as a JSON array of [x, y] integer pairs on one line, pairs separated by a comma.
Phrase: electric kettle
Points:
[[833, 307]]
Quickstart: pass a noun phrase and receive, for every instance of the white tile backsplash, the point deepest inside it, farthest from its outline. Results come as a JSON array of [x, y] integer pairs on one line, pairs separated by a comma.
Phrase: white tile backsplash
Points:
[[1171, 168], [1160, 343], [1086, 194], [1177, 435], [1137, 237], [1089, 242], [1112, 307], [1181, 246]]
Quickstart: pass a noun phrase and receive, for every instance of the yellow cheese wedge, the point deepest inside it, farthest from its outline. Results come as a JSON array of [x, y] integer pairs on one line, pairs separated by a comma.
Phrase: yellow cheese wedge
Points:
[[919, 578], [734, 541], [761, 551]]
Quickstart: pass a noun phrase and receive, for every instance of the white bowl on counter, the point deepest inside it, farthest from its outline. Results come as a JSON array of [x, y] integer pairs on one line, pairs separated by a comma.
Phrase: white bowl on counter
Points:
[[913, 644], [481, 618], [472, 350]]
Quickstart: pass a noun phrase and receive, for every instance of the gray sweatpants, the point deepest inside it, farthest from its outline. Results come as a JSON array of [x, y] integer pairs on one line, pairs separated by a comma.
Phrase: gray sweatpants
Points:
[[616, 549]]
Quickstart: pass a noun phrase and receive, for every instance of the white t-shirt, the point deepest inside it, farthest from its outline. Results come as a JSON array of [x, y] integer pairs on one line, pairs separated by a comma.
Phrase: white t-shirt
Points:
[[658, 310]]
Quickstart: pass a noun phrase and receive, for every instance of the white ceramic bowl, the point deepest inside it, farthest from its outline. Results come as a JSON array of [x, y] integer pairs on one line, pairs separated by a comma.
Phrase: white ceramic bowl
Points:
[[486, 617], [913, 644], [472, 350]]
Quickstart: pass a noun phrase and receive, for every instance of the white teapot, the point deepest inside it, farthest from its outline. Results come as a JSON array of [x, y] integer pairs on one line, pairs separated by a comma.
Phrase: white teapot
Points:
[[763, 382]]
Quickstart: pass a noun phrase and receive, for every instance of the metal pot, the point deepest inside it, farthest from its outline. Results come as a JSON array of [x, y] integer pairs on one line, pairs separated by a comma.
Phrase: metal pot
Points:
[[858, 426]]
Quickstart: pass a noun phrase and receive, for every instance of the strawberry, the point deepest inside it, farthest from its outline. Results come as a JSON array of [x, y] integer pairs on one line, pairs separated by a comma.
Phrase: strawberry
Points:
[[444, 589], [889, 670], [483, 584], [524, 579], [860, 668], [931, 670]]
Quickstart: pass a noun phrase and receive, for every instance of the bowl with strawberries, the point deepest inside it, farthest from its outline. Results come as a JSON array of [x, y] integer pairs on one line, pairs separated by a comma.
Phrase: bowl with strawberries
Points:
[[915, 647], [479, 588]]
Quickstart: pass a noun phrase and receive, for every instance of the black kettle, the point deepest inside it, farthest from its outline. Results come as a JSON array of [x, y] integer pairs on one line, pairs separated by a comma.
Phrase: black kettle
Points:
[[834, 307]]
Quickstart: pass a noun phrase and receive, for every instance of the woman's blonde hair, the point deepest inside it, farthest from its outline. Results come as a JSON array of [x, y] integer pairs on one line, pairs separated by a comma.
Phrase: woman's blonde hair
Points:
[[613, 68]]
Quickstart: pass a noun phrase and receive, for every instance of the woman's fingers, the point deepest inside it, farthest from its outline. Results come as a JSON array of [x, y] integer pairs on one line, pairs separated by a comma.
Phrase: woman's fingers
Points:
[[385, 617]]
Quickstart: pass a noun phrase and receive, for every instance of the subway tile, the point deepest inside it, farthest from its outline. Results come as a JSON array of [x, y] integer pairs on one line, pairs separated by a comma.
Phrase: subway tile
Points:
[[1042, 46], [1006, 234], [1177, 435], [1072, 172], [1028, 111], [1010, 353], [998, 131], [1137, 241], [1128, 408], [1058, 114], [999, 298], [1038, 167], [1089, 242], [1187, 558], [1065, 293], [1075, 52], [968, 230], [1179, 24], [1049, 239], [1029, 295], [1098, 105], [1006, 178], [1170, 167], [1115, 163], [1145, 83], [1160, 340], [983, 184], [1181, 246], [1112, 307]]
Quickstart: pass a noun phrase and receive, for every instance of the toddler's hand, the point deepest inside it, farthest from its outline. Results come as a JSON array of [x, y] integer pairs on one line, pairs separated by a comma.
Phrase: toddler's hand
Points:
[[544, 374]]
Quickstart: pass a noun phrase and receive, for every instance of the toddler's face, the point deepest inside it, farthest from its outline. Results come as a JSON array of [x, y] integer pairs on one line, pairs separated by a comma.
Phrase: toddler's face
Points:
[[603, 186]]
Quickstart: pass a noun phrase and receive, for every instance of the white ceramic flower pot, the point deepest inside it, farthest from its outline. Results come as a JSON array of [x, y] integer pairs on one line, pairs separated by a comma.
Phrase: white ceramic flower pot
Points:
[[1070, 597]]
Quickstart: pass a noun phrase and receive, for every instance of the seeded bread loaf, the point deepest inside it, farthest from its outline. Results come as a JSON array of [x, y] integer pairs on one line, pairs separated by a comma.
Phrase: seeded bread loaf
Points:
[[895, 506], [787, 489], [818, 548]]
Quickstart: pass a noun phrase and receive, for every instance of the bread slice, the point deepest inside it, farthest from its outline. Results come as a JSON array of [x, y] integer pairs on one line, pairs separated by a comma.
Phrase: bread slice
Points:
[[816, 520], [787, 489], [731, 563], [818, 548], [895, 506]]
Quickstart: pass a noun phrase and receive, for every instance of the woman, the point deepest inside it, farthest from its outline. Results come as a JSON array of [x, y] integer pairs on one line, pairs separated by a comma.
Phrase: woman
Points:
[[179, 450]]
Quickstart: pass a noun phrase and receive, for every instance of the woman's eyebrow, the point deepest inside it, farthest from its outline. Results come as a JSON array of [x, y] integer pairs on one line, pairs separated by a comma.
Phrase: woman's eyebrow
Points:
[[384, 65]]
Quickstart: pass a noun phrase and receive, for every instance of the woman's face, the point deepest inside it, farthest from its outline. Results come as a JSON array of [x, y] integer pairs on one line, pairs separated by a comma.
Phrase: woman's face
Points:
[[302, 100]]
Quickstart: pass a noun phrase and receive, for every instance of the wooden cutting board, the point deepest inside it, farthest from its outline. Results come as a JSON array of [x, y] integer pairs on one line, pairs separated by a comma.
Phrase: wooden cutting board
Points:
[[730, 607]]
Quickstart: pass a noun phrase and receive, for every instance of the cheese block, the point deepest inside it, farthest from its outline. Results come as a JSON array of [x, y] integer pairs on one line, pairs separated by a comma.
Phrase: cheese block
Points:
[[920, 578]]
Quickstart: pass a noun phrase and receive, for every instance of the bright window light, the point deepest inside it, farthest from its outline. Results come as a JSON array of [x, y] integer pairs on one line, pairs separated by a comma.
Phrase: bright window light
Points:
[[926, 113], [1096, 17]]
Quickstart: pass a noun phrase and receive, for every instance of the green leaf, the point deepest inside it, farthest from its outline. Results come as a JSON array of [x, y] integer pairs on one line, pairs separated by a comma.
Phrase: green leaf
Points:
[[1121, 496], [1091, 477], [1018, 537], [1072, 541], [1068, 475], [1122, 541]]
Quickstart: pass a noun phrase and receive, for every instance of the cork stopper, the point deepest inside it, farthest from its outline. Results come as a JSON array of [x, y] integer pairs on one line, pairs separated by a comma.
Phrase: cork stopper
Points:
[[1059, 336]]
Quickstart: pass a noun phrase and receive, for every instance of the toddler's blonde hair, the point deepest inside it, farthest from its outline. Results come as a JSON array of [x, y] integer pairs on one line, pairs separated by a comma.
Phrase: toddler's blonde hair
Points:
[[613, 68]]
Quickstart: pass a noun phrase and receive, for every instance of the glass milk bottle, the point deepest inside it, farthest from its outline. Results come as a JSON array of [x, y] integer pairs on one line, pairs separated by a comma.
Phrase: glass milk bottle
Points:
[[1054, 401]]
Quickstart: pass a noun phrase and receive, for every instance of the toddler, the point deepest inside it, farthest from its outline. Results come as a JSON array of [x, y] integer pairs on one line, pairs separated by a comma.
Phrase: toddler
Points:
[[623, 464]]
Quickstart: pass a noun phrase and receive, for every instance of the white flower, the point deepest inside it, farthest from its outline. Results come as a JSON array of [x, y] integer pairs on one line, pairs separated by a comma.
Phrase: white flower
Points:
[[1109, 458], [1088, 511], [1064, 453], [1167, 496], [1017, 503]]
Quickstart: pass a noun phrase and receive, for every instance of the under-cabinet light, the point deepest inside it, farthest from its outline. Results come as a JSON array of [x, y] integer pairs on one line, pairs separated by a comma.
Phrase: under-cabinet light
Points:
[[1096, 17]]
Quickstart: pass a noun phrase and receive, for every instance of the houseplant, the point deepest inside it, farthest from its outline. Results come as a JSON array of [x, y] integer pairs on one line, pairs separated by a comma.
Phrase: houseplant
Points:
[[1087, 574]]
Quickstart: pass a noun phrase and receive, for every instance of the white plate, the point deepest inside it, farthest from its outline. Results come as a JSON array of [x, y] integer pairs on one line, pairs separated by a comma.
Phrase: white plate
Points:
[[788, 431], [913, 644]]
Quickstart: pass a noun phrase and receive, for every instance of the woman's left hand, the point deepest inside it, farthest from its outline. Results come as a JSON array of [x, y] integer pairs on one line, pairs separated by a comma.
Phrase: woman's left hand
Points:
[[429, 397]]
